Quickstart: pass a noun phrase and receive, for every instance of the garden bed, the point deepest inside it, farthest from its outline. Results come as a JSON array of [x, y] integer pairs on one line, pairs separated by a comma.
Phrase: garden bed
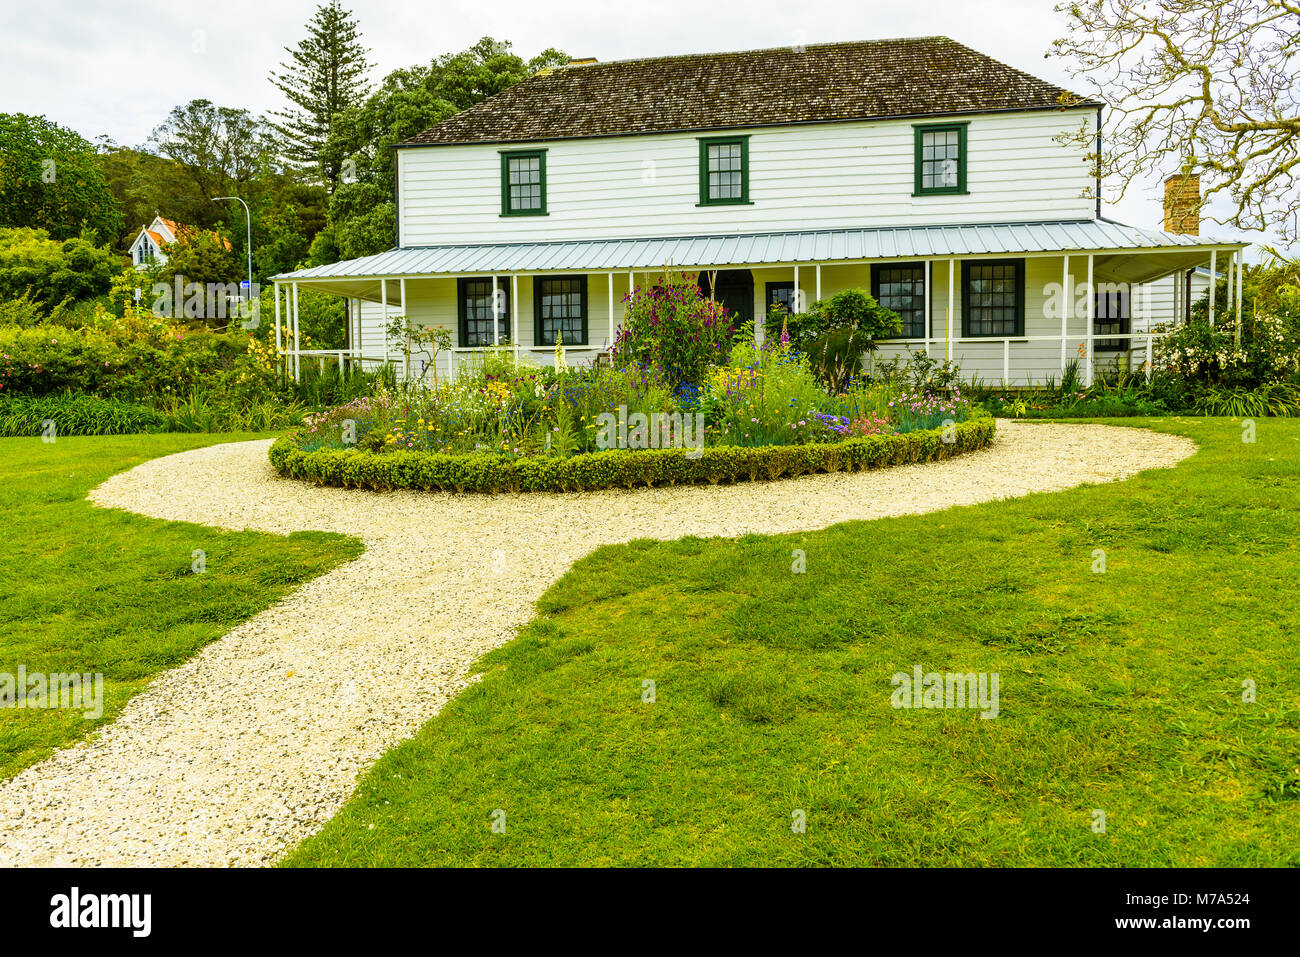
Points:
[[620, 468]]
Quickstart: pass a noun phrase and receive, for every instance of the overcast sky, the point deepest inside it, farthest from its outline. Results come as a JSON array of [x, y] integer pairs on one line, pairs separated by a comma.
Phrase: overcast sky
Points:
[[117, 68]]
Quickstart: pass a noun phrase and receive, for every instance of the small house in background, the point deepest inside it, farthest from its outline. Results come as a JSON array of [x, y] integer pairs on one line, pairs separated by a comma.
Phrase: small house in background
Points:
[[148, 248]]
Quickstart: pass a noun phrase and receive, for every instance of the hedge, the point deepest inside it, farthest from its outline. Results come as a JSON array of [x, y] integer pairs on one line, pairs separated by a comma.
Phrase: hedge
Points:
[[486, 472]]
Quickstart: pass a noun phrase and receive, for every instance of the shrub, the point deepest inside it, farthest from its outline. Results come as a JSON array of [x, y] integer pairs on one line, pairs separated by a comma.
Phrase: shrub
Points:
[[673, 327], [836, 333], [432, 471], [48, 271], [1269, 351]]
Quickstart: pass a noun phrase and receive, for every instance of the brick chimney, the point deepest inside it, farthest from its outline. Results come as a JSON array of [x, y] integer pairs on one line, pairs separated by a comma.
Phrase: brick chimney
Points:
[[1183, 204]]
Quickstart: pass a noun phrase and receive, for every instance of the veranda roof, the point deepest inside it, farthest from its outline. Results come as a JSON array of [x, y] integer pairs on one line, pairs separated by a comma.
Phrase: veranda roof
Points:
[[1112, 242]]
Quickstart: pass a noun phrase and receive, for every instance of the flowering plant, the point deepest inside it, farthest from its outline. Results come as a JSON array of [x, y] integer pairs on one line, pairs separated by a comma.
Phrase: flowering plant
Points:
[[673, 326]]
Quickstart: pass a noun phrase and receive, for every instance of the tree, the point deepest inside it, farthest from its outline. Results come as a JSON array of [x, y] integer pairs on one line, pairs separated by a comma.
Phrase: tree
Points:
[[221, 149], [198, 256], [1198, 86], [324, 76], [50, 179], [362, 213], [145, 184]]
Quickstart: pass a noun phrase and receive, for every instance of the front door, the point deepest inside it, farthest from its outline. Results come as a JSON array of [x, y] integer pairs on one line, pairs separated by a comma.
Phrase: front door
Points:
[[735, 290]]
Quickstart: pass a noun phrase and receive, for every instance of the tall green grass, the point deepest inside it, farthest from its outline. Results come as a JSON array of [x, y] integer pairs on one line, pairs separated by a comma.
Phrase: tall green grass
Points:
[[77, 414]]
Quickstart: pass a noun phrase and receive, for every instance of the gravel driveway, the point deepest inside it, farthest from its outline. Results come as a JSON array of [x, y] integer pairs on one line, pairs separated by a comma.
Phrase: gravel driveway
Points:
[[239, 754]]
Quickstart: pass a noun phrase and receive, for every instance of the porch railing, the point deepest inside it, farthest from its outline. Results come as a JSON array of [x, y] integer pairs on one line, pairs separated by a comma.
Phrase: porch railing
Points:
[[357, 361]]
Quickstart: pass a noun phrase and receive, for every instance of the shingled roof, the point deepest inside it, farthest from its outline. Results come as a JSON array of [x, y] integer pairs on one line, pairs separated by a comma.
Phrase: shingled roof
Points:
[[823, 83]]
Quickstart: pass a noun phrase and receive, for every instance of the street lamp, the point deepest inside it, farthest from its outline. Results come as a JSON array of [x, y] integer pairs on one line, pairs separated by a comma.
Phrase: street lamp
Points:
[[248, 219]]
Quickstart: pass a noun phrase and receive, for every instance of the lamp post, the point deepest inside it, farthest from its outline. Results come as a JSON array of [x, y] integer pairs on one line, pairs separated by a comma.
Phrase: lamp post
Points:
[[248, 219]]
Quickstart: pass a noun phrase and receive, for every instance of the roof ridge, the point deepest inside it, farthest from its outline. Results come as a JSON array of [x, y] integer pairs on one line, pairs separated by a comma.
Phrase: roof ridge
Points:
[[788, 47]]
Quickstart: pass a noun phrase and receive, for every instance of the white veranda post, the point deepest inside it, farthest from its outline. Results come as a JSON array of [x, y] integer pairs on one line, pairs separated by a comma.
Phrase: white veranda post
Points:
[[406, 319], [929, 305], [1091, 310], [819, 283], [1241, 273], [1214, 272], [514, 314], [496, 311], [383, 305], [1067, 295], [278, 349], [952, 307], [610, 278], [297, 339]]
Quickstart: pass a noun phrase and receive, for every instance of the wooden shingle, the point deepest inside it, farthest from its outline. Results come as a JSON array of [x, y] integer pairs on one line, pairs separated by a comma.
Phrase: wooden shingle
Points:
[[822, 83]]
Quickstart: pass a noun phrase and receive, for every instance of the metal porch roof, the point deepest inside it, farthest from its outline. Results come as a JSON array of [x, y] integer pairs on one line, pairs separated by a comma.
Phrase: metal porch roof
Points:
[[757, 249]]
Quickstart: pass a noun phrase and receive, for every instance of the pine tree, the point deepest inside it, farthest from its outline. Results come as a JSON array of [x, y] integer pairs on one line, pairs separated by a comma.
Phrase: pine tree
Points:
[[325, 76]]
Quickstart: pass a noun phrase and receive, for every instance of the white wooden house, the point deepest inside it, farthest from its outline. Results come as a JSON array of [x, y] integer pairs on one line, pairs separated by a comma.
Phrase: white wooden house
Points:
[[956, 188]]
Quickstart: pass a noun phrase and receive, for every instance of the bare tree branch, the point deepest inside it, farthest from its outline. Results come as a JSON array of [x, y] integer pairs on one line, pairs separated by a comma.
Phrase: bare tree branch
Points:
[[1197, 86]]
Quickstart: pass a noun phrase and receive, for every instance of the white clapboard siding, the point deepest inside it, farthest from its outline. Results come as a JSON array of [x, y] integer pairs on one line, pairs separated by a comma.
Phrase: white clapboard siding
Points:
[[802, 177]]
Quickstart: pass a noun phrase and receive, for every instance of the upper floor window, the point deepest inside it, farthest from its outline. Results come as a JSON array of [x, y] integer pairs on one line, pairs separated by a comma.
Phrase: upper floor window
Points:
[[476, 307], [901, 288], [523, 182], [724, 170], [940, 158], [993, 297], [560, 308]]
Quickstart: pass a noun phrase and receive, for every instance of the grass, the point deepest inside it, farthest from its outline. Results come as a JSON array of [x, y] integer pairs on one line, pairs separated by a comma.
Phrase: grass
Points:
[[1120, 692], [93, 590]]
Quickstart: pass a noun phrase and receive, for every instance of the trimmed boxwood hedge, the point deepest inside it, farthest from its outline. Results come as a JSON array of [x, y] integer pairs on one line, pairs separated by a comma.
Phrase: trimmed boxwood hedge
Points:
[[432, 471]]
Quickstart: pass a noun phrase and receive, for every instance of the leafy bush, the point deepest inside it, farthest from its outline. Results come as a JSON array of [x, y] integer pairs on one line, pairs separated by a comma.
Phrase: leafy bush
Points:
[[358, 468], [921, 372], [138, 357], [836, 333], [671, 326], [1269, 352], [48, 271]]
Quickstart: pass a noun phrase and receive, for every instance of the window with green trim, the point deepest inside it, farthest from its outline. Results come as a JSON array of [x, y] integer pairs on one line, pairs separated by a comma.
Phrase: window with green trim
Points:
[[523, 182], [560, 308], [901, 288], [724, 170], [940, 158], [475, 307], [993, 297]]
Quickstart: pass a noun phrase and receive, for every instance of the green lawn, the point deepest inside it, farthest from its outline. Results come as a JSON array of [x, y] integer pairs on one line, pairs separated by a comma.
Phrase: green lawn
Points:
[[1119, 692], [91, 590]]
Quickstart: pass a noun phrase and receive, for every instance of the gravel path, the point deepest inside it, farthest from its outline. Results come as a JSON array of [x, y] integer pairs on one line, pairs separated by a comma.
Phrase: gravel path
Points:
[[252, 745]]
